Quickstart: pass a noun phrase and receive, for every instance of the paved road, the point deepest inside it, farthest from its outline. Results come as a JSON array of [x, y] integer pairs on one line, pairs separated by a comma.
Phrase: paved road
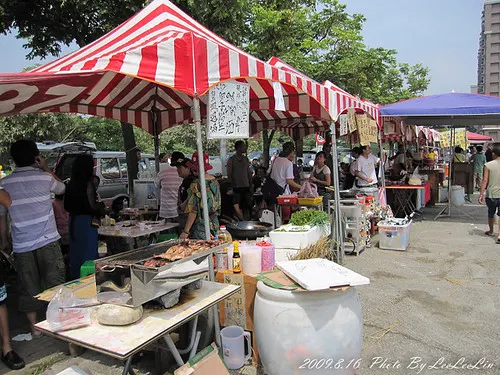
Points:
[[439, 299]]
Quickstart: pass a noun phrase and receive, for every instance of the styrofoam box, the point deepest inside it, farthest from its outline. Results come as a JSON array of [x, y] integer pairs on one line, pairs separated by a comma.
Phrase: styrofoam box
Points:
[[297, 240], [394, 237]]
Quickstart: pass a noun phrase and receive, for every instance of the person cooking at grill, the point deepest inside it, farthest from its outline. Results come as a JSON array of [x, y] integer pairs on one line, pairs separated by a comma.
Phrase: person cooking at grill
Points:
[[240, 176], [366, 175], [399, 167], [195, 228]]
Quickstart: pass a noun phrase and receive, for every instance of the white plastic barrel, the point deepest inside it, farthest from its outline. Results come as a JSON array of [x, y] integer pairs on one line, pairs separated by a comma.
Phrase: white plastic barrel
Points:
[[308, 332], [457, 195]]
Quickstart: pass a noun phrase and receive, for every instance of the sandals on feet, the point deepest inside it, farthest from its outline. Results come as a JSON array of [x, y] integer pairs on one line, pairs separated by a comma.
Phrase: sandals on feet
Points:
[[498, 241], [488, 233]]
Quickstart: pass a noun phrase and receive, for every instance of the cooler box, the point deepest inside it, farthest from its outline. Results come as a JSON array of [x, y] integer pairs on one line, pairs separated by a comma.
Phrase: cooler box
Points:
[[298, 240], [393, 236], [287, 200]]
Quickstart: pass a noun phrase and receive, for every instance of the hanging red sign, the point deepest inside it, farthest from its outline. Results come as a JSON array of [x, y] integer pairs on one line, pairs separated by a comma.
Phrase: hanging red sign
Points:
[[319, 139]]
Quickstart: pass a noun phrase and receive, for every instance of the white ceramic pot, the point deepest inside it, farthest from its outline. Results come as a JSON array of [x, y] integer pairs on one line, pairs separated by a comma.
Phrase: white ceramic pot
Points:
[[308, 332]]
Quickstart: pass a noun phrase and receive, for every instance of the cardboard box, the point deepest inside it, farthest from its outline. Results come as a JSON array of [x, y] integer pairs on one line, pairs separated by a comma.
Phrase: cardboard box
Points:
[[84, 287], [206, 362], [278, 280], [237, 310]]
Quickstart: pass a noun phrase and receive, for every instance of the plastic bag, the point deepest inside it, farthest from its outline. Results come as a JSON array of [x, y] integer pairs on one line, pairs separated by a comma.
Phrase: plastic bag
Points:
[[63, 316], [308, 190], [415, 178]]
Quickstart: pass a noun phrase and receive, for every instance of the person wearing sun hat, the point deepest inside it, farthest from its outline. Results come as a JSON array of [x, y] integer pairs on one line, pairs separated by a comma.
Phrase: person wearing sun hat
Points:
[[194, 227]]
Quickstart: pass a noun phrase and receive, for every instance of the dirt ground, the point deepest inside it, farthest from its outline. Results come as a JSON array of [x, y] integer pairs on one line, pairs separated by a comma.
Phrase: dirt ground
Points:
[[428, 310]]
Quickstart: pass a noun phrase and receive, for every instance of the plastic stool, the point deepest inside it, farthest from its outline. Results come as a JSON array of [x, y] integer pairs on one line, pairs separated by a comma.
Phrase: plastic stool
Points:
[[87, 268]]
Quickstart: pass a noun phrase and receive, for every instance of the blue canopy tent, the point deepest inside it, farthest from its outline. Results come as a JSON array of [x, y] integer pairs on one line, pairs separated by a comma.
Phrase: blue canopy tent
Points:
[[453, 110]]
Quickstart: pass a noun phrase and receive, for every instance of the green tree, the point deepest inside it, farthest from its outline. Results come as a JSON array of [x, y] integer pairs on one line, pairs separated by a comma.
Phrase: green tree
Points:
[[324, 41], [49, 24], [318, 37]]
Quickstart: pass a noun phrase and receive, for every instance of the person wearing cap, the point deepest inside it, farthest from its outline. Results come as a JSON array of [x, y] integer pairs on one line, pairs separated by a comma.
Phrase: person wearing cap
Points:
[[194, 227], [187, 176], [169, 182], [240, 177]]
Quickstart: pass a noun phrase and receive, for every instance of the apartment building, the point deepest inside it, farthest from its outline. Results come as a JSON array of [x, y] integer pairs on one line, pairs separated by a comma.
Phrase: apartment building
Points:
[[488, 72]]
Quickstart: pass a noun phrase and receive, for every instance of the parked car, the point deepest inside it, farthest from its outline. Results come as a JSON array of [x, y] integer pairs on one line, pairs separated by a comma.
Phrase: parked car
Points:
[[109, 166]]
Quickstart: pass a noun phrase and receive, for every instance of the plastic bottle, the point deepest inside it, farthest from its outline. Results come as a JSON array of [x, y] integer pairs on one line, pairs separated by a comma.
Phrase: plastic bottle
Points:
[[268, 253], [224, 235], [236, 257]]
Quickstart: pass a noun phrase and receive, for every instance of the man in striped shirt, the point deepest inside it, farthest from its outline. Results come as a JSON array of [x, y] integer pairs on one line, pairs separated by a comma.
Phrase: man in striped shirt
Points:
[[34, 233], [169, 183]]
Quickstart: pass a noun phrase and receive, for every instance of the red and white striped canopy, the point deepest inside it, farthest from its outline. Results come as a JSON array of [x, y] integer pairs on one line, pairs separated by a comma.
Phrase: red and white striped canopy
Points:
[[346, 100], [343, 101], [158, 61]]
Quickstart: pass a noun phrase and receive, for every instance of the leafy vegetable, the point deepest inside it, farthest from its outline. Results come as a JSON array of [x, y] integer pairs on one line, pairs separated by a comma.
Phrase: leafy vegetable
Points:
[[310, 217]]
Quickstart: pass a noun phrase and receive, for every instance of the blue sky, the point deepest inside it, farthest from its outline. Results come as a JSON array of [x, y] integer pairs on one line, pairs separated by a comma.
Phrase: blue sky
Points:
[[441, 34]]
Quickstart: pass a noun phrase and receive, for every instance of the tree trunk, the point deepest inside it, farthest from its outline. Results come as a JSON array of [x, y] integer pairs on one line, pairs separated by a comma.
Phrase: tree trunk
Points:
[[131, 149], [266, 140], [299, 147]]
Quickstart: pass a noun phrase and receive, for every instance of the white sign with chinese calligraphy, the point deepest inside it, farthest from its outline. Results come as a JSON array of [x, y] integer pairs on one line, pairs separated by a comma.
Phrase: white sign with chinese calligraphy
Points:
[[228, 111], [351, 119], [373, 131], [363, 129], [344, 125]]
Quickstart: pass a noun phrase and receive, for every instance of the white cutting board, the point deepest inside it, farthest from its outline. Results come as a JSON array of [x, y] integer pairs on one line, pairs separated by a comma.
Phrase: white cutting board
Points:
[[321, 274]]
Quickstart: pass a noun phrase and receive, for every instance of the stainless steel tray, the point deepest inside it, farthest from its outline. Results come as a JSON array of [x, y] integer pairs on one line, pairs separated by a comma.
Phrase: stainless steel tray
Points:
[[124, 272]]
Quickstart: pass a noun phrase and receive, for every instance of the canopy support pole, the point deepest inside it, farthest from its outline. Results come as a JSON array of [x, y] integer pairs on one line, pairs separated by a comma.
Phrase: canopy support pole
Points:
[[382, 165], [337, 233], [156, 137], [201, 165], [204, 199], [156, 141], [446, 211]]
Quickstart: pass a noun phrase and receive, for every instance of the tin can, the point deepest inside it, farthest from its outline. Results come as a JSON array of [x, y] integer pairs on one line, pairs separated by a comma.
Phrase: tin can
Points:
[[221, 260]]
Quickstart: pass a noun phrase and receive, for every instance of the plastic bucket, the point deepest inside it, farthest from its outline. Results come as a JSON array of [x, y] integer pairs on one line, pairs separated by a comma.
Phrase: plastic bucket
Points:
[[457, 196], [233, 346]]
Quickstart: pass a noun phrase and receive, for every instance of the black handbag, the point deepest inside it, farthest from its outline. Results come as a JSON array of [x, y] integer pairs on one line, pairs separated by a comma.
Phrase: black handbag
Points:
[[270, 189]]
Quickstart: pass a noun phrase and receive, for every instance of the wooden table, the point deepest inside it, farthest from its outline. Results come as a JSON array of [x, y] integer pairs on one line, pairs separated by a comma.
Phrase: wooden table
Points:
[[123, 342]]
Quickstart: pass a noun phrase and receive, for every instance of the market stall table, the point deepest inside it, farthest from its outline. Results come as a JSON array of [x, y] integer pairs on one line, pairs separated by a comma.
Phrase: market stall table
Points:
[[405, 197], [139, 213], [121, 229], [134, 232], [123, 342]]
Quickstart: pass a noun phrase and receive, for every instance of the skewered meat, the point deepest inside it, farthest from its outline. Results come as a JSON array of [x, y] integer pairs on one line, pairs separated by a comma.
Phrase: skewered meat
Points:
[[186, 249], [156, 263]]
